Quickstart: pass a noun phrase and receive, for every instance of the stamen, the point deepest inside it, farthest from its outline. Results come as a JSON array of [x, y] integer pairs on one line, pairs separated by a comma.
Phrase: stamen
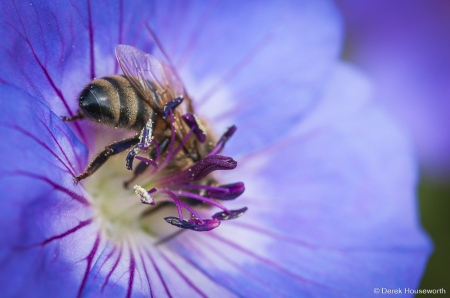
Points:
[[222, 141], [176, 201], [144, 142], [171, 155], [172, 135], [197, 186], [171, 105], [145, 195], [146, 134], [193, 122], [194, 224], [148, 161], [202, 198], [192, 211], [199, 170], [158, 151], [130, 157], [230, 215], [234, 190]]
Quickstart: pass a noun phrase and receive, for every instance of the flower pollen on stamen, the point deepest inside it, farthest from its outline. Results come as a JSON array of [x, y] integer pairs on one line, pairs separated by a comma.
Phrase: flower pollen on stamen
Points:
[[146, 198], [145, 139], [171, 105], [194, 224]]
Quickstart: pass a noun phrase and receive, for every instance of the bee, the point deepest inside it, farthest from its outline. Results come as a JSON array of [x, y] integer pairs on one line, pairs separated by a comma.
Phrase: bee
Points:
[[129, 101]]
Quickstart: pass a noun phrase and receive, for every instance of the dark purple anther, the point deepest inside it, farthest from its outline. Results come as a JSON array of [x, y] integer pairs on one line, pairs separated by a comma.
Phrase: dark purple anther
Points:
[[193, 122], [234, 214], [199, 170], [223, 140], [228, 133], [171, 105], [234, 191], [130, 157], [194, 224]]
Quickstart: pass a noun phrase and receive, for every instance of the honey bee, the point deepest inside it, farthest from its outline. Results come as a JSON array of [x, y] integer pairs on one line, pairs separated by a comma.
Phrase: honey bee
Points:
[[130, 101]]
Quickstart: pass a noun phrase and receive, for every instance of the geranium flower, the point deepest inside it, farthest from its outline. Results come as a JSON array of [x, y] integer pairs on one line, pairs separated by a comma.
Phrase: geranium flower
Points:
[[404, 46], [329, 177]]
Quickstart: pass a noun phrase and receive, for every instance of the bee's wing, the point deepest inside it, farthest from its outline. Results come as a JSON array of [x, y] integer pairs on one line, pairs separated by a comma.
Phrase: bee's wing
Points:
[[154, 80]]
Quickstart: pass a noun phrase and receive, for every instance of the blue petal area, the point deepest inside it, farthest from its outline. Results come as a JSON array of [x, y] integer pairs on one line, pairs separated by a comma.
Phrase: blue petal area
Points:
[[332, 208], [53, 50], [47, 229], [256, 64]]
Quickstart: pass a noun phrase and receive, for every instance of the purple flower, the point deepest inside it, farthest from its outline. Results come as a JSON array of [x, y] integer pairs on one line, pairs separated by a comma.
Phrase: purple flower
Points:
[[329, 178], [404, 45]]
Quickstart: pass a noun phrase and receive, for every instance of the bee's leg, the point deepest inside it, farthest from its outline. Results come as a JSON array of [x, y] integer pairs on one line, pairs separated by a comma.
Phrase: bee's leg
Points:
[[102, 157], [142, 166], [79, 116]]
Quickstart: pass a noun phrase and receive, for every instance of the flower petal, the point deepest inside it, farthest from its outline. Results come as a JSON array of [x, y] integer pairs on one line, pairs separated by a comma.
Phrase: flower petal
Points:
[[45, 214], [256, 64], [53, 51], [336, 197]]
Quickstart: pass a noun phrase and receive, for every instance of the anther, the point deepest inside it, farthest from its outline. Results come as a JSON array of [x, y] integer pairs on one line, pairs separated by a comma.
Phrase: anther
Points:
[[146, 134], [227, 192], [194, 224], [145, 195], [231, 215], [223, 140], [193, 122], [171, 105]]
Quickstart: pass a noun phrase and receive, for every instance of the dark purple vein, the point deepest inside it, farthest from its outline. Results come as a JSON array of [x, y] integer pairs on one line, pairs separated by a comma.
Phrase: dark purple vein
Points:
[[269, 262], [89, 259], [265, 41], [73, 195], [264, 283], [73, 230], [113, 250], [200, 269], [47, 75], [146, 273], [131, 269], [91, 40], [59, 146], [112, 269], [43, 145], [159, 273], [183, 276]]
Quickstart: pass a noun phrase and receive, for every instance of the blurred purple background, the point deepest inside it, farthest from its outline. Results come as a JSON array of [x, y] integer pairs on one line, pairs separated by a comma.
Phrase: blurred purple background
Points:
[[404, 46]]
